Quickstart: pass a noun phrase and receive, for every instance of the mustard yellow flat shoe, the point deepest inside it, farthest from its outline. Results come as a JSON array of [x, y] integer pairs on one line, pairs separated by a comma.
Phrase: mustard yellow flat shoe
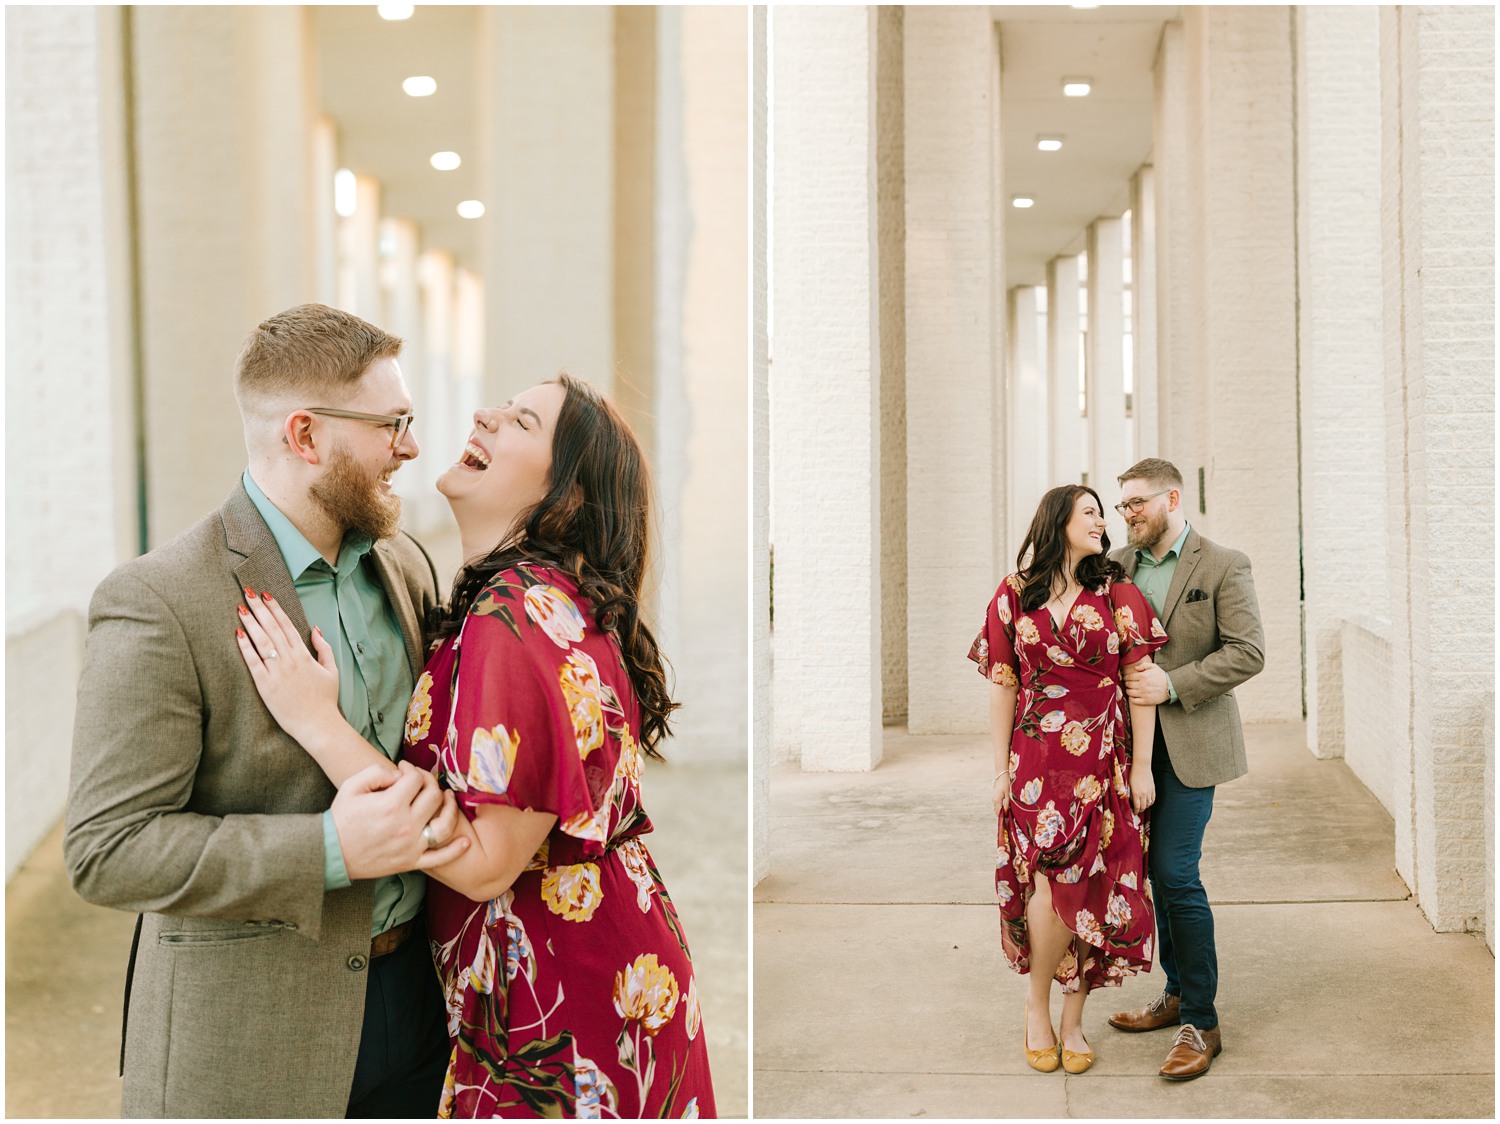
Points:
[[1043, 1061], [1076, 1063]]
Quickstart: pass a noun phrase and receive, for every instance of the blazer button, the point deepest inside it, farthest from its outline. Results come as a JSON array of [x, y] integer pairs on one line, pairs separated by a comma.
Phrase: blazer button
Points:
[[290, 925], [357, 963]]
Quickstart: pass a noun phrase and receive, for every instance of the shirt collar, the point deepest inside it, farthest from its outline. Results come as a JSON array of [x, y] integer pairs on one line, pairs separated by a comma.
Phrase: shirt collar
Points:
[[298, 553], [1143, 553]]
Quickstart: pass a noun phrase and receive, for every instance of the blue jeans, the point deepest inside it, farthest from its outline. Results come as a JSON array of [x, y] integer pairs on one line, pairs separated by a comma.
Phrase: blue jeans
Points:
[[1184, 923]]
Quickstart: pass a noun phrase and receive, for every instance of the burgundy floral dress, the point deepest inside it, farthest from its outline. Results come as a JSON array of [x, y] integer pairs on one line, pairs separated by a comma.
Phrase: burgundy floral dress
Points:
[[1069, 815], [572, 994]]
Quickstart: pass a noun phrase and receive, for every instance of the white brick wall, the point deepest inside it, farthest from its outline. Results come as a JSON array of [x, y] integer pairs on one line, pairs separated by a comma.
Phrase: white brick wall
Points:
[[1026, 388], [761, 714], [1107, 456], [1375, 745], [1243, 315], [1145, 430], [1067, 447], [825, 388], [1341, 387], [955, 472], [67, 378]]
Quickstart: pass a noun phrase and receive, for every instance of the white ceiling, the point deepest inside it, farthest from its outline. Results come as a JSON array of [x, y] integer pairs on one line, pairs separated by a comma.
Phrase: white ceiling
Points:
[[383, 132], [1107, 135]]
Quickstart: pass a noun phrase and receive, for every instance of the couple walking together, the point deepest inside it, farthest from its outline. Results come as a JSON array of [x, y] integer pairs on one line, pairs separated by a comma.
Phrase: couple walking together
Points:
[[1113, 716], [476, 929]]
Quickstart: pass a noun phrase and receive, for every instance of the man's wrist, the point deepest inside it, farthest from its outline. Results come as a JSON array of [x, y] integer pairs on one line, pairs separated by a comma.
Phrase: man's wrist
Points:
[[1171, 690]]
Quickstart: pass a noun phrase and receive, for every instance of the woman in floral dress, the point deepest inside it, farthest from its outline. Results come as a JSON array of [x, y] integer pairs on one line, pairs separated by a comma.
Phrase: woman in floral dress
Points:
[[1069, 791], [567, 977]]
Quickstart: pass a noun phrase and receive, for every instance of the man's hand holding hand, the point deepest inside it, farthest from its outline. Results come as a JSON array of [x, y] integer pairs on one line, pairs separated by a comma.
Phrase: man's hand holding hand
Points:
[[379, 814]]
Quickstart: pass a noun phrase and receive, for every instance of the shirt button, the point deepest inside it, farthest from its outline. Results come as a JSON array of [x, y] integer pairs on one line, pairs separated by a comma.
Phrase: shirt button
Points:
[[357, 963], [380, 716], [360, 647]]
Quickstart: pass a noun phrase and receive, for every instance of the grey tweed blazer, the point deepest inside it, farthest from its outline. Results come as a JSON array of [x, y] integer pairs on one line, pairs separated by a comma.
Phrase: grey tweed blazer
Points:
[[188, 804], [1215, 645]]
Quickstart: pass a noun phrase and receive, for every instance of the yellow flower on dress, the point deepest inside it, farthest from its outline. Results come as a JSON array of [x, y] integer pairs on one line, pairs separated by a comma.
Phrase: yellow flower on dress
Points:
[[572, 892], [633, 854], [1156, 629], [1059, 657], [1108, 831], [1075, 739], [1118, 913], [482, 970], [554, 610], [539, 861], [1027, 631], [1014, 581], [1088, 789], [1088, 928], [585, 825], [419, 712], [1112, 644], [1003, 674], [579, 678], [694, 1015], [1089, 617], [492, 759], [646, 992], [1124, 622], [1032, 790], [1053, 721], [630, 757]]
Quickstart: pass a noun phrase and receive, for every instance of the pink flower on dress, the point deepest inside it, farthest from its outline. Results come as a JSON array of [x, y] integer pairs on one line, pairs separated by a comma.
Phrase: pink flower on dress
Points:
[[555, 612]]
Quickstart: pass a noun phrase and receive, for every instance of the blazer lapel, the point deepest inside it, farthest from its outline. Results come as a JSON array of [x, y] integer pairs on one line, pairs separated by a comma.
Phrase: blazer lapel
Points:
[[400, 598], [1187, 562], [262, 567]]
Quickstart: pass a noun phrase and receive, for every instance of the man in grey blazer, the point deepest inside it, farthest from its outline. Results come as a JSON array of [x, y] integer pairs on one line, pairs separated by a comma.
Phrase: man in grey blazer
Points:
[[1205, 597], [278, 927]]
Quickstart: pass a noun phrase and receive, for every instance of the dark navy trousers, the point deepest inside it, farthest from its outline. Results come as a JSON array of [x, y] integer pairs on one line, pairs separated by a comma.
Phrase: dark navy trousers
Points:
[[403, 1050], [1184, 923]]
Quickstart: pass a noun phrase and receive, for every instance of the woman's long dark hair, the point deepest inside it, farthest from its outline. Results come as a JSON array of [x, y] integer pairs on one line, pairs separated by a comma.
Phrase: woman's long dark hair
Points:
[[593, 524], [1044, 551]]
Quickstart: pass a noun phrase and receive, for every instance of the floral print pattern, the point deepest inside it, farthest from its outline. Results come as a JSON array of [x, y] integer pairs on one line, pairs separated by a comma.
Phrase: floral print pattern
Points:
[[572, 993], [1069, 817]]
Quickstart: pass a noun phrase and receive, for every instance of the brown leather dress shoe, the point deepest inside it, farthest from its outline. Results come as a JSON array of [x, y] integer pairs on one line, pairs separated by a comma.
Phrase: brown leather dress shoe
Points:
[[1192, 1053], [1161, 1011]]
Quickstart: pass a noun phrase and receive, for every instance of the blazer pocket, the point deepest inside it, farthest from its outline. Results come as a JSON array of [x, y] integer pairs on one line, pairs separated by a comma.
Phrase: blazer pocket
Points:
[[236, 934]]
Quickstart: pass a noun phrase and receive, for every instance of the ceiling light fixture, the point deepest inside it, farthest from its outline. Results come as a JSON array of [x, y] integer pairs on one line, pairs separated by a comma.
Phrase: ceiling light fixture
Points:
[[420, 86], [470, 209], [1077, 87], [395, 11], [1022, 201], [1048, 143], [343, 193], [445, 161]]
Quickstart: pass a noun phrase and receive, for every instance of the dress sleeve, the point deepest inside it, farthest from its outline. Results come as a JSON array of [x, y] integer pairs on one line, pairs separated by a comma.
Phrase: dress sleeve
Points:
[[527, 726], [1136, 627], [994, 649]]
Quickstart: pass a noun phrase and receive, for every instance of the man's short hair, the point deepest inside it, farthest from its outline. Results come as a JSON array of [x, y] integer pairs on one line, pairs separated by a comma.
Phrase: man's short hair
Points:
[[312, 352], [1155, 470]]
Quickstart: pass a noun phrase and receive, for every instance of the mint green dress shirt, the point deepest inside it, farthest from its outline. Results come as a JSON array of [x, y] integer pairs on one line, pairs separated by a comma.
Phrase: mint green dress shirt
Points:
[[349, 605], [1155, 579]]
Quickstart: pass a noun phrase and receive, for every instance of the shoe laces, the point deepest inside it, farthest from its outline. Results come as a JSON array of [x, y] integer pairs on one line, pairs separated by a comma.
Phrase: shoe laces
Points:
[[1190, 1035]]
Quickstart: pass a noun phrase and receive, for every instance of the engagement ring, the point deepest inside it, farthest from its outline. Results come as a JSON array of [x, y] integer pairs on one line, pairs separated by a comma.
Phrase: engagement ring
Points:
[[429, 837], [271, 655]]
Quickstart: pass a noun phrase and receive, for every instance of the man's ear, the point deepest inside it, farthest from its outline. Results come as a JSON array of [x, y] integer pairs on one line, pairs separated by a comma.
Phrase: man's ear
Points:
[[298, 434], [1174, 499]]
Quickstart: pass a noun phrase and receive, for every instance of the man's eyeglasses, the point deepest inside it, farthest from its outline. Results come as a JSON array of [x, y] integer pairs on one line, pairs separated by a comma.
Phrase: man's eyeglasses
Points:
[[397, 423], [1132, 506]]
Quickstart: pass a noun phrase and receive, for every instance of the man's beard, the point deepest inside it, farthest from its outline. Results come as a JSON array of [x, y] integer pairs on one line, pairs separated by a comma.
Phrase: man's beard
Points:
[[353, 499], [1149, 532]]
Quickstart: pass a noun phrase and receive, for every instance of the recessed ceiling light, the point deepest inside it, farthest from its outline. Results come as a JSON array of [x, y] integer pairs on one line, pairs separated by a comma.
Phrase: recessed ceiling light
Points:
[[1022, 201], [1048, 144], [419, 86], [470, 209], [446, 161], [1077, 87], [343, 193], [395, 11]]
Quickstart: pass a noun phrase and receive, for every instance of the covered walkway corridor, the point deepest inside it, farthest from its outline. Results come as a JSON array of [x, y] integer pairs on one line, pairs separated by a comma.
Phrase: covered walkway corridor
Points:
[[1336, 996]]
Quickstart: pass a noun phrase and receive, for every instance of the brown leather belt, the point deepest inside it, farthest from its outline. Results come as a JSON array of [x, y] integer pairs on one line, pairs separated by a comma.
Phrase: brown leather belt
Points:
[[393, 938]]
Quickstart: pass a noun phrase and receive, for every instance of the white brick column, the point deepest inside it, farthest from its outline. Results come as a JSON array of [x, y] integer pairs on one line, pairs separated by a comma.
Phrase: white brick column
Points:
[[69, 369], [761, 715], [825, 389], [1438, 209], [1026, 385], [1244, 266], [702, 385], [954, 308], [1066, 438], [1106, 366], [1340, 357], [1144, 426], [223, 124], [546, 138]]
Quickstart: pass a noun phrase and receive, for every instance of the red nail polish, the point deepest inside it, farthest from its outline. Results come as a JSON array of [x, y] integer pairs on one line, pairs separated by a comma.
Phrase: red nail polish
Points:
[[249, 592], [240, 632], [266, 597], [244, 612]]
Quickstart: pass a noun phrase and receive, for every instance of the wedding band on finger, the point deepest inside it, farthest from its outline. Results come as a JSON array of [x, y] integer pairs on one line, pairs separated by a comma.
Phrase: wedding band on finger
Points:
[[428, 837]]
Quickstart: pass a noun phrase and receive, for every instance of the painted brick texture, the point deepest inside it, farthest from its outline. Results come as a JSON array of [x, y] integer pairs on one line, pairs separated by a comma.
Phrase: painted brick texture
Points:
[[761, 713], [955, 487], [825, 389]]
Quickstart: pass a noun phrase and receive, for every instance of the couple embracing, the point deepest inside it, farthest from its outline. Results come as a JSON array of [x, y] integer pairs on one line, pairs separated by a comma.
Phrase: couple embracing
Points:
[[387, 848], [1113, 717]]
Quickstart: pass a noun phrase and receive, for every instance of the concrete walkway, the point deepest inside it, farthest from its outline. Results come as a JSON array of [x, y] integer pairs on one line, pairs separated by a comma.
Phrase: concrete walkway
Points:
[[881, 990], [65, 959]]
